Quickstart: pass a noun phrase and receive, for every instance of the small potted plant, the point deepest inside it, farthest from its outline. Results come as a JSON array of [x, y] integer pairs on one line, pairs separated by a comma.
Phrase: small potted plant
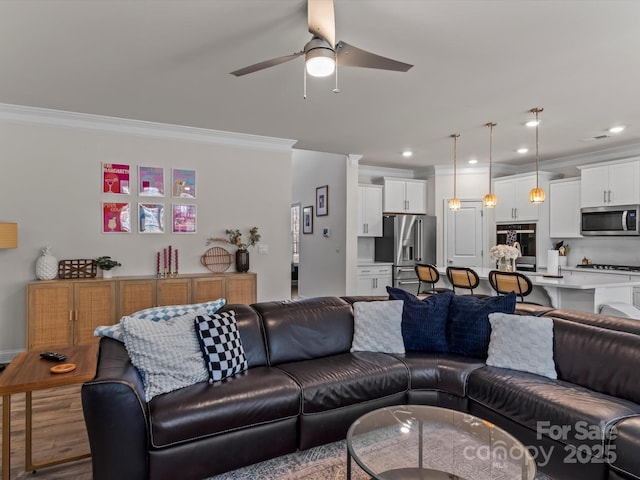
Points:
[[106, 264]]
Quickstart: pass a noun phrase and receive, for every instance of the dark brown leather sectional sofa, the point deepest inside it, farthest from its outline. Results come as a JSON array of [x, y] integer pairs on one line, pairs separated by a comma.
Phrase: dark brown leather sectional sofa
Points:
[[304, 388]]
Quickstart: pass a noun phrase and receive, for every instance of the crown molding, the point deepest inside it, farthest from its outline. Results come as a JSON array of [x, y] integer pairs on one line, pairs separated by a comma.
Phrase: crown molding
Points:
[[84, 121]]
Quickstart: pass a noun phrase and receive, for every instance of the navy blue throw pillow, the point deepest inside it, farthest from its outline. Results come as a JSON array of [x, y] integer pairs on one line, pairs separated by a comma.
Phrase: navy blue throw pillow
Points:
[[424, 322], [469, 330]]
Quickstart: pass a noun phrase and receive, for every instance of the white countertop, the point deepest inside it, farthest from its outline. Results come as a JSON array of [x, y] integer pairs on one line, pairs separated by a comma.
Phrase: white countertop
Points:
[[371, 263], [585, 283]]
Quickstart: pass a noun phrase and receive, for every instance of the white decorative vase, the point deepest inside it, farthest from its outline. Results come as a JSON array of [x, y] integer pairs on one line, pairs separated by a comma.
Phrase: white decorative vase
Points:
[[46, 265], [562, 260]]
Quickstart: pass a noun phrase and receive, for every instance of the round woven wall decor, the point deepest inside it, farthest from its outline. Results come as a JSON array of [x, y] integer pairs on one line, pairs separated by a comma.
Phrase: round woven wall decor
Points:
[[216, 259]]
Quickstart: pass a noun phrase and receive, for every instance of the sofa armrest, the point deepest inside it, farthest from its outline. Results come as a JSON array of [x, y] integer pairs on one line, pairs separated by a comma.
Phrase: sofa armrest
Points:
[[116, 416]]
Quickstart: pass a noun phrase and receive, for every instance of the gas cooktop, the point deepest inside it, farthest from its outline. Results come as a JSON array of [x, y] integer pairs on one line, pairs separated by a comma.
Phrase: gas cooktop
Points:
[[604, 266]]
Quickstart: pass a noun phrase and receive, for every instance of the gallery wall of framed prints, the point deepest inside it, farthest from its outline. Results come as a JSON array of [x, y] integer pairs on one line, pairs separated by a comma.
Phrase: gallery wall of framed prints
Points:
[[150, 215]]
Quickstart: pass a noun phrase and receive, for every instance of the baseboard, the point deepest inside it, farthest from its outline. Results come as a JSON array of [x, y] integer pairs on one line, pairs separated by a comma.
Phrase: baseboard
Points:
[[7, 355]]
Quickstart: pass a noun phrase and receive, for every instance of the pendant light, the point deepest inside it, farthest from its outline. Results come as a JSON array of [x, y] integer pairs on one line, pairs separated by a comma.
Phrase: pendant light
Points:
[[537, 195], [490, 199], [454, 203]]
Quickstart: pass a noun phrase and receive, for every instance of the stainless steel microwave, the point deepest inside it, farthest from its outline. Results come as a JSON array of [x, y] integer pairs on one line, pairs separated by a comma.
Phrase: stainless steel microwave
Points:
[[610, 220]]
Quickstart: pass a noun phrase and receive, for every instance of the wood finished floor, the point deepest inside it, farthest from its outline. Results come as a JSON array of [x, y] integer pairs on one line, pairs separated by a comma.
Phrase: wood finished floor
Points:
[[58, 431]]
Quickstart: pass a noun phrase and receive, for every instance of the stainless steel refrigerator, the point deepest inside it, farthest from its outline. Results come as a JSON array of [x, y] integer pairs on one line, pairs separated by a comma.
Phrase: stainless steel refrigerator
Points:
[[406, 240]]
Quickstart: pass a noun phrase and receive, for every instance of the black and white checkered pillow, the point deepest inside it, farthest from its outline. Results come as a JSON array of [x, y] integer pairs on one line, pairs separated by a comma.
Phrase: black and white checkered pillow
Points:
[[221, 345]]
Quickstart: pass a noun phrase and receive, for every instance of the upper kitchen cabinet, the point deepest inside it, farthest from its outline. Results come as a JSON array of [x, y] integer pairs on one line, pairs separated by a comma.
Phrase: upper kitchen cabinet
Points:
[[564, 208], [370, 210], [405, 196], [513, 197], [610, 184]]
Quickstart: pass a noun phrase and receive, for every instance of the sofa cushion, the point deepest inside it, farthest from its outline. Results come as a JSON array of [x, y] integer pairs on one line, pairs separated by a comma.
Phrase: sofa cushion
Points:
[[522, 342], [468, 328], [560, 410], [259, 396], [167, 354], [307, 328], [221, 345], [346, 379], [377, 327], [424, 322]]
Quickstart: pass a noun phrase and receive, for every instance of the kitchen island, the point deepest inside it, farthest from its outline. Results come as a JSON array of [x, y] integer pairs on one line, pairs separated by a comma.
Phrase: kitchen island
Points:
[[580, 291]]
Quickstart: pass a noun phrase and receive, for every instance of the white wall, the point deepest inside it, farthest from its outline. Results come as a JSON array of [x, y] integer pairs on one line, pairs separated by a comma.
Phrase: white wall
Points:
[[327, 265], [51, 165]]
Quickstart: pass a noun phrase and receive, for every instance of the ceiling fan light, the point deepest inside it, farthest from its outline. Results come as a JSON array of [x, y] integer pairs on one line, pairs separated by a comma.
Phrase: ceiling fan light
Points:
[[320, 62]]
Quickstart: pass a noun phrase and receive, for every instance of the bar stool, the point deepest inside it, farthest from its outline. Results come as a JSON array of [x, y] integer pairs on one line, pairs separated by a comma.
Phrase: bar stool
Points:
[[507, 282], [429, 274], [464, 278]]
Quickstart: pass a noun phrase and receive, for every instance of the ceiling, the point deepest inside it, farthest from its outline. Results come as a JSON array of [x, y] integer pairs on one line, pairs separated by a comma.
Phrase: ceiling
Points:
[[474, 61]]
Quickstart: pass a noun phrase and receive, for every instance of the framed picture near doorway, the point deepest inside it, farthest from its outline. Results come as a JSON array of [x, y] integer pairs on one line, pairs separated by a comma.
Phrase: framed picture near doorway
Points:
[[322, 201], [307, 219]]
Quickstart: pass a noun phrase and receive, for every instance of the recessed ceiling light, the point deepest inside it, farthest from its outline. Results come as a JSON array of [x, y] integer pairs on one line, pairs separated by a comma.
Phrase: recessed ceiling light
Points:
[[407, 153], [522, 150], [473, 161], [616, 129], [531, 123]]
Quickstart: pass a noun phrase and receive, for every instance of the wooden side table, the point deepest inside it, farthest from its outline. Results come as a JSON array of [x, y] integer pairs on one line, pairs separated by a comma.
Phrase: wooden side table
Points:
[[27, 373]]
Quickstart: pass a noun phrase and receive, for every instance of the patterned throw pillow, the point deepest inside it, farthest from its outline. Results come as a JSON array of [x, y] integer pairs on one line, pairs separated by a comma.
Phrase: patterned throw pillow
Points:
[[156, 314], [468, 328], [377, 327], [424, 322], [167, 354], [522, 343], [221, 345]]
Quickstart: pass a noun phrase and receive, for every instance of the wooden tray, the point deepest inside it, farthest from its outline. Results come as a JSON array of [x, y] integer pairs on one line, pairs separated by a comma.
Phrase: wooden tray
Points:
[[216, 259], [77, 268]]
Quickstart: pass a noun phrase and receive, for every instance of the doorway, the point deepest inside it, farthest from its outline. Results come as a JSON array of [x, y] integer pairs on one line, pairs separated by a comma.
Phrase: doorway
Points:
[[464, 242]]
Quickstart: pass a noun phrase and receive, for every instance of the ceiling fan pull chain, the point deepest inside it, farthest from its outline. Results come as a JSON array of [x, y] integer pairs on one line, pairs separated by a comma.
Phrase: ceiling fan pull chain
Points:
[[304, 94], [336, 90]]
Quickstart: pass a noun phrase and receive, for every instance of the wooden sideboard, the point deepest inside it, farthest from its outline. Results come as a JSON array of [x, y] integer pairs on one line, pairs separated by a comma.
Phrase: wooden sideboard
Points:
[[66, 312]]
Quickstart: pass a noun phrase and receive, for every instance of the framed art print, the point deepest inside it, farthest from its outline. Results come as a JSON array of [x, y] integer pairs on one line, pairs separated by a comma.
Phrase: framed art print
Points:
[[115, 178], [151, 217], [183, 183], [116, 217], [151, 181], [322, 201], [183, 218], [307, 219]]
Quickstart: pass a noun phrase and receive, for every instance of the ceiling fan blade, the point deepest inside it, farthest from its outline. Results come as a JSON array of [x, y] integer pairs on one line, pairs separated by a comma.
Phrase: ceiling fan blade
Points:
[[321, 20], [266, 64], [351, 56]]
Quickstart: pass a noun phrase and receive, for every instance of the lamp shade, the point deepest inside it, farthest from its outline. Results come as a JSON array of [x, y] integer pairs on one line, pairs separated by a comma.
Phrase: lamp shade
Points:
[[490, 200], [8, 235], [454, 204], [536, 195]]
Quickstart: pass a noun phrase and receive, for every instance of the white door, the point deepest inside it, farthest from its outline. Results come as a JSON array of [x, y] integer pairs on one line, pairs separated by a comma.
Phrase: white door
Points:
[[464, 235]]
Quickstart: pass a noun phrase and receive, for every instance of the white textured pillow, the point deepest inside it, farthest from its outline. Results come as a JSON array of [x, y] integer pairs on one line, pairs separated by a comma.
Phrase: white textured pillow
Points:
[[377, 327], [167, 354], [522, 343]]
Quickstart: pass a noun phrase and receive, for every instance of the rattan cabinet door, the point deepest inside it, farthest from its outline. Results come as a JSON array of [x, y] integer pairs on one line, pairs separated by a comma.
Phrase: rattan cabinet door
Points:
[[206, 289], [95, 304], [49, 315], [241, 288], [173, 291], [135, 295]]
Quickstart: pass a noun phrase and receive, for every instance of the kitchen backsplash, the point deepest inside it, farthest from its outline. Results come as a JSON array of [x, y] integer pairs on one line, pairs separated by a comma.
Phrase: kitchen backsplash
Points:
[[608, 250]]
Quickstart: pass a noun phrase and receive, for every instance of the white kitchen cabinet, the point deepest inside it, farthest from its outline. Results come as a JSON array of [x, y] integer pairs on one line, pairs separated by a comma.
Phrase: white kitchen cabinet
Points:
[[373, 279], [370, 210], [610, 184], [405, 196], [564, 208], [513, 197]]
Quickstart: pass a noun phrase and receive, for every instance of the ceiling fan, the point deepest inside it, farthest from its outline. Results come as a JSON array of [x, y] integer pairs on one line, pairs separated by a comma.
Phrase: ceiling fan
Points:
[[322, 53]]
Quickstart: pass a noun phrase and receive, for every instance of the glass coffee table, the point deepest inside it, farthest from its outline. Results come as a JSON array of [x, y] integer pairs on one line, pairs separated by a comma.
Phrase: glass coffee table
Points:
[[431, 443]]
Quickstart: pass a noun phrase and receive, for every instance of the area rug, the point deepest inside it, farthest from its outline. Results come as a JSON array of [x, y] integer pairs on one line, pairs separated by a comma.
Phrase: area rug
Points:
[[326, 462]]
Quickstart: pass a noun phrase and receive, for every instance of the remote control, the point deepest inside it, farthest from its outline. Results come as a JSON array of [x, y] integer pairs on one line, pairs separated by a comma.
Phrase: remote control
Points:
[[56, 357]]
